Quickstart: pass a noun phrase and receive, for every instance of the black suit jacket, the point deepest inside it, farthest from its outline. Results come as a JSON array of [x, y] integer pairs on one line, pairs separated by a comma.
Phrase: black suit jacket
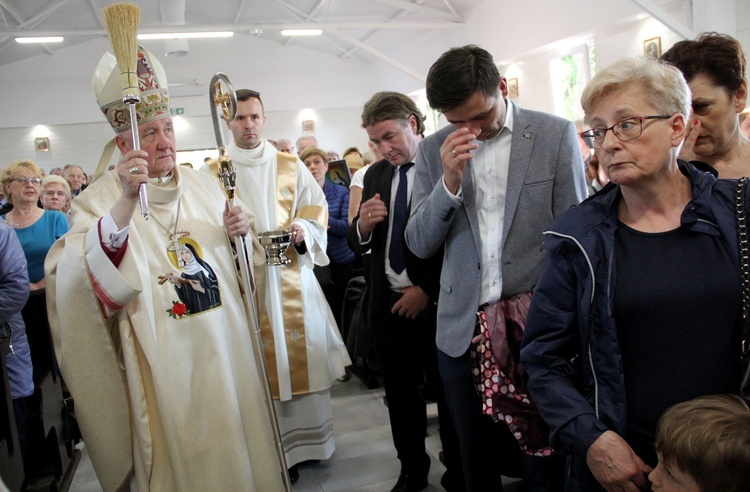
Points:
[[424, 273]]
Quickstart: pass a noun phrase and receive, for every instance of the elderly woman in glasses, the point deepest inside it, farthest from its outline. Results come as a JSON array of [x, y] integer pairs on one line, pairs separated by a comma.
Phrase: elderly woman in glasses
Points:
[[37, 229], [638, 304], [56, 194]]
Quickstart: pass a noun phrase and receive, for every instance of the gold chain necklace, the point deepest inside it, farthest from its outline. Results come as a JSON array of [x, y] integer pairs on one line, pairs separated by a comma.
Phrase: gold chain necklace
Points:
[[176, 235], [16, 225]]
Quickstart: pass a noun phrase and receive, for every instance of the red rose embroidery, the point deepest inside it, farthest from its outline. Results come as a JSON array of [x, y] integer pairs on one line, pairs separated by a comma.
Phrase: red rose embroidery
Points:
[[178, 310]]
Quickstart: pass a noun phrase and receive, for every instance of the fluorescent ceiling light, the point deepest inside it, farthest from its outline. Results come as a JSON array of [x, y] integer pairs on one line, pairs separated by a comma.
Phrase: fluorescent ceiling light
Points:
[[48, 39], [301, 32], [187, 35]]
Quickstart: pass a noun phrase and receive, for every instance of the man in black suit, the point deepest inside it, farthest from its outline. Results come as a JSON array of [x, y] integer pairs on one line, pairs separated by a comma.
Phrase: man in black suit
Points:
[[403, 291]]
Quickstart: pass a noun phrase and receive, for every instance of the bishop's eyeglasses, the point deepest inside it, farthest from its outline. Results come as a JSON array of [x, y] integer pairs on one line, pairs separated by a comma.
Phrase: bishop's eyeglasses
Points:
[[625, 130]]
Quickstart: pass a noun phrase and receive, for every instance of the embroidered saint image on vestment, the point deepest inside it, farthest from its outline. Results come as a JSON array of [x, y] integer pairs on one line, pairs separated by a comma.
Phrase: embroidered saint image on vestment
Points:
[[196, 285]]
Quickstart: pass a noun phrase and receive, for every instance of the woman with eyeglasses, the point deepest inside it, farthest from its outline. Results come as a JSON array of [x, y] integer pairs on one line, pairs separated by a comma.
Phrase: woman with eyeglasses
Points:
[[638, 303], [714, 66], [36, 228]]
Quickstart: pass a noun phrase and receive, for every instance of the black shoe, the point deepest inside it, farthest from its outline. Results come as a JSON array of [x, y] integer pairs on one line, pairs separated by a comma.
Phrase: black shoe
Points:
[[346, 377], [408, 483], [293, 474], [451, 483]]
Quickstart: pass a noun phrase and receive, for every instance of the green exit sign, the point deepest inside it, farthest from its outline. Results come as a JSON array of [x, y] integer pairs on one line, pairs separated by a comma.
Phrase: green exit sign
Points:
[[178, 111]]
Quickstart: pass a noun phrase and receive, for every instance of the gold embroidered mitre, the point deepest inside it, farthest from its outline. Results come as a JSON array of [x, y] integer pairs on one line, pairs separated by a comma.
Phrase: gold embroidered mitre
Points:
[[152, 82]]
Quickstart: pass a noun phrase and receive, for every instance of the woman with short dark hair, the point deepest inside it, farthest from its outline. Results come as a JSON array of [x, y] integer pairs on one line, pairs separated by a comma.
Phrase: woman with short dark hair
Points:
[[714, 66]]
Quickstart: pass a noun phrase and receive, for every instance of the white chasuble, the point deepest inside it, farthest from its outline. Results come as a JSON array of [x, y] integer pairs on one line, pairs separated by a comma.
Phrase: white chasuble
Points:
[[260, 190], [167, 385], [307, 351]]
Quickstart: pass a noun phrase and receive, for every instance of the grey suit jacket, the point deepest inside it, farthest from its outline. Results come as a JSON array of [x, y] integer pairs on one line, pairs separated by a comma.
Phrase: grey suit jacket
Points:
[[545, 177]]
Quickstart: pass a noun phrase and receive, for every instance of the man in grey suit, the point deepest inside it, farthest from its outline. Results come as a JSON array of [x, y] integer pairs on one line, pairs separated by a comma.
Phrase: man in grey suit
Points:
[[486, 187]]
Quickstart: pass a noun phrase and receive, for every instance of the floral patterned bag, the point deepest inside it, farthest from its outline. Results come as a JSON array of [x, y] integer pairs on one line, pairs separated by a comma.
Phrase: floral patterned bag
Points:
[[499, 376]]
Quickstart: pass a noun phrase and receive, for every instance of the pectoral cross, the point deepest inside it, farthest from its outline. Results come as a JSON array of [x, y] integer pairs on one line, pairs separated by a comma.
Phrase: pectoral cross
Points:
[[174, 238]]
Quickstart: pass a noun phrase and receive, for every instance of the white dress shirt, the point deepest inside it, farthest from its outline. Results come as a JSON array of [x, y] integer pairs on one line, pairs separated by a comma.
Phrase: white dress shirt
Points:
[[397, 281], [489, 172]]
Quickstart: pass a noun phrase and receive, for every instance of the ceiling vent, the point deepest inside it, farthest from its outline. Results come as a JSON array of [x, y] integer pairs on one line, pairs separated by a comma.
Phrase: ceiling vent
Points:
[[176, 47], [186, 90]]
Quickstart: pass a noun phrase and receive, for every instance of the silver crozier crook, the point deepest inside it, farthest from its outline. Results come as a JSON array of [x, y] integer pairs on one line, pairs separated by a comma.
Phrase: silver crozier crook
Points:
[[227, 101]]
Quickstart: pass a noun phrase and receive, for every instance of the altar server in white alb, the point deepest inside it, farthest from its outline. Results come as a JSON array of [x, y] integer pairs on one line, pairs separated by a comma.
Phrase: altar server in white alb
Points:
[[304, 351], [148, 320]]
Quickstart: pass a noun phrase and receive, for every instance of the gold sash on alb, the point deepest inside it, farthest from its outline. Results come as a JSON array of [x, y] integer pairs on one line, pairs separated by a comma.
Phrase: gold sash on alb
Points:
[[291, 285]]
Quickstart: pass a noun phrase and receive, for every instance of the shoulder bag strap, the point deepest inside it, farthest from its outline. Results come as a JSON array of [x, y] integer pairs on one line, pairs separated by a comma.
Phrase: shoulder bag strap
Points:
[[744, 265]]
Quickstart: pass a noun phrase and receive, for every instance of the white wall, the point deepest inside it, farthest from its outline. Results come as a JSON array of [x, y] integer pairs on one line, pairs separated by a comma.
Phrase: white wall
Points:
[[611, 45], [526, 34], [336, 129], [82, 144]]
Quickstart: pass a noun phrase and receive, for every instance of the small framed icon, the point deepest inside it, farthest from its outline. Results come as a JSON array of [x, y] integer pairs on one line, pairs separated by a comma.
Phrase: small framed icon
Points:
[[308, 126], [513, 87], [42, 144], [652, 47]]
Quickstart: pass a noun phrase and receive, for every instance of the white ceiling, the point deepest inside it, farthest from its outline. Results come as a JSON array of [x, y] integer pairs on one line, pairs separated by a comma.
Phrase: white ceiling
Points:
[[360, 29]]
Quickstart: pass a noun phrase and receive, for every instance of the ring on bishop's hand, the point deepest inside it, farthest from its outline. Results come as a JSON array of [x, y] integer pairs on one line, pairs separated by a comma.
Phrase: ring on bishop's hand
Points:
[[369, 215], [133, 170], [454, 152]]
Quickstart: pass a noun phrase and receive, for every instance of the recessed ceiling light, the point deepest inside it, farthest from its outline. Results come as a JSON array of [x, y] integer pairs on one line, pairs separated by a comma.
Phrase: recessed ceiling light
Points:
[[301, 32], [46, 39], [186, 35]]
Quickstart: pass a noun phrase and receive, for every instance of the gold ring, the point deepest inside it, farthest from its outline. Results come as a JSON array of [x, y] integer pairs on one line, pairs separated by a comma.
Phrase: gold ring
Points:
[[454, 152], [133, 170], [369, 215]]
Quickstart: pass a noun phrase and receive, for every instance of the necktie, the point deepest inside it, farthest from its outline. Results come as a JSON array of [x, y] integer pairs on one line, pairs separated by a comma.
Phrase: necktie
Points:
[[400, 204]]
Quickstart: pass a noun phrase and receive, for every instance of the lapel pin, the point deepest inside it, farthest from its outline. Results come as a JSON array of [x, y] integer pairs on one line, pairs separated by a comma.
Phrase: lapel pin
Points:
[[527, 136]]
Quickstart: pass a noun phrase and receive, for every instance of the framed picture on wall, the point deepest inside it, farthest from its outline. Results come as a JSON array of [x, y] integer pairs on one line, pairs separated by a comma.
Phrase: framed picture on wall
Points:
[[513, 87], [308, 126], [652, 47], [42, 144]]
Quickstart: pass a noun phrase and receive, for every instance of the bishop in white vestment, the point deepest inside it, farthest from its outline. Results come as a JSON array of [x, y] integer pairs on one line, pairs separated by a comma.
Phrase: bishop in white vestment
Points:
[[148, 321]]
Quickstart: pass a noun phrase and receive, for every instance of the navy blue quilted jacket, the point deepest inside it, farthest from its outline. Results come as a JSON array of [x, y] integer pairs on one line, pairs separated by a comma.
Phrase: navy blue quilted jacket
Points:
[[570, 347], [337, 197]]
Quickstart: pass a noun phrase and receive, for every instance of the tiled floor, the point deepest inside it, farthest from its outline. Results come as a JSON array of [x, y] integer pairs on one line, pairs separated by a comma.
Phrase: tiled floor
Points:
[[364, 461]]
